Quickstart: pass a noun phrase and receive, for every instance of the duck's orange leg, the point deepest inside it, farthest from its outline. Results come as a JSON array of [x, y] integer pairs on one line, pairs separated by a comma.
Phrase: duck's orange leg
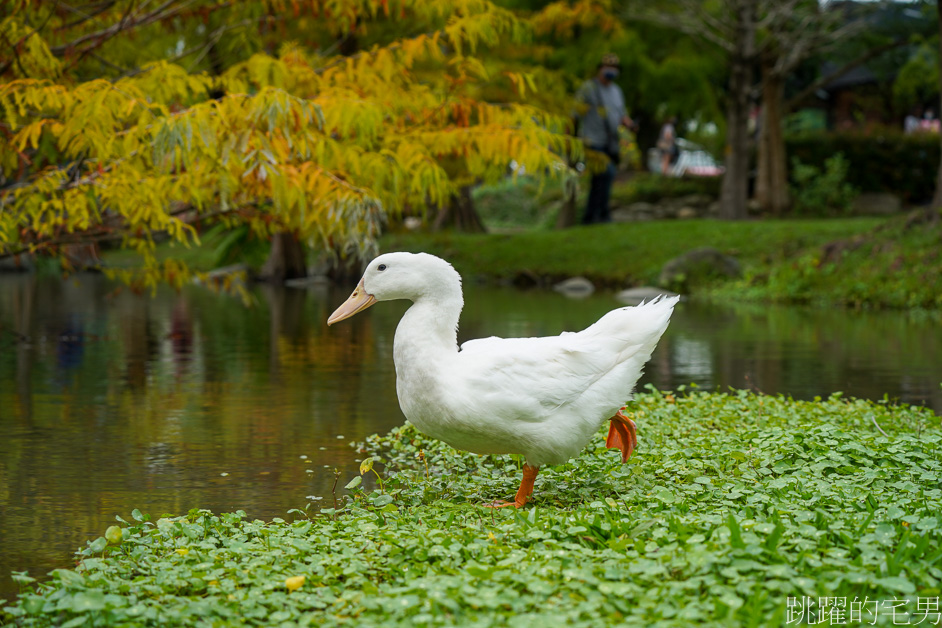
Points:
[[523, 493], [622, 435]]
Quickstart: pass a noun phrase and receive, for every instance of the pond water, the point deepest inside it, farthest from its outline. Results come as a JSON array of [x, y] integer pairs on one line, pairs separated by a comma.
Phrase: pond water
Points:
[[111, 401]]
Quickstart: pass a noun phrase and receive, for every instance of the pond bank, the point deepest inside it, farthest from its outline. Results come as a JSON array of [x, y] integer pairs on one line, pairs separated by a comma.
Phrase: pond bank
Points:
[[859, 262], [856, 262], [735, 506]]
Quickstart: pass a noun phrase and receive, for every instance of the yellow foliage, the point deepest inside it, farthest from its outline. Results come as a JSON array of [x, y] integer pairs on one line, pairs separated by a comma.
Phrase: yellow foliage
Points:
[[325, 147], [562, 17], [33, 58]]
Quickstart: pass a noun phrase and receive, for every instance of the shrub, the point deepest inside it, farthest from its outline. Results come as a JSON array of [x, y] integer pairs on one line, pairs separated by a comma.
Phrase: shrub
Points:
[[517, 202], [886, 160], [819, 193], [651, 188]]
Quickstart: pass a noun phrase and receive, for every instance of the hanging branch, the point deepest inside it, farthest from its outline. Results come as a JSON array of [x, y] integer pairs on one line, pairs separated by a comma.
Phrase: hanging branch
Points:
[[690, 19], [86, 43], [873, 53]]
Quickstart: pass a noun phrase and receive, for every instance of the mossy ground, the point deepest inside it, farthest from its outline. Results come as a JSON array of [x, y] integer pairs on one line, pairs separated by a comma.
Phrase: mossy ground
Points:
[[897, 264], [733, 504]]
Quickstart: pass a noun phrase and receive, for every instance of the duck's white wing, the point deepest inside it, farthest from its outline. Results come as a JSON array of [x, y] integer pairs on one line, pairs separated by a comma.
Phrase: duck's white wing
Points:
[[530, 379], [527, 378]]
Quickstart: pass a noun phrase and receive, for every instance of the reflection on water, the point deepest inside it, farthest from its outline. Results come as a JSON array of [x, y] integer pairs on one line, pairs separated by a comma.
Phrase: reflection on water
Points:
[[111, 401]]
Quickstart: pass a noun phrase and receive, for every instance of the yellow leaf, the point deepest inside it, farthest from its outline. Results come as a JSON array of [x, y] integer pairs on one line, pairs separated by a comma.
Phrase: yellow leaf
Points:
[[182, 551], [113, 534], [294, 583], [366, 465]]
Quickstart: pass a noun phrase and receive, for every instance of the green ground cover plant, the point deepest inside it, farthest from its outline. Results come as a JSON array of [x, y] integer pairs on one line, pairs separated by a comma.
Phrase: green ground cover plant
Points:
[[733, 504], [896, 264]]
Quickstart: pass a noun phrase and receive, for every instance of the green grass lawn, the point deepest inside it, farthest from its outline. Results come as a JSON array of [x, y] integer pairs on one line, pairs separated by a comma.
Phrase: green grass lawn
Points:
[[625, 254], [733, 505], [856, 262]]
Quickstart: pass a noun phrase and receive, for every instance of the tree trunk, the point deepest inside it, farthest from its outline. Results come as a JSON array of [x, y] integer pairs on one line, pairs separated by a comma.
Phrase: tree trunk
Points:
[[734, 191], [568, 213], [733, 194], [286, 259], [345, 270], [460, 214], [772, 178], [937, 198], [82, 256]]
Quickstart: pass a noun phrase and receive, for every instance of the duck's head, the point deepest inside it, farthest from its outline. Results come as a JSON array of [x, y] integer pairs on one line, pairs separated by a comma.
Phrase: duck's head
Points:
[[411, 276]]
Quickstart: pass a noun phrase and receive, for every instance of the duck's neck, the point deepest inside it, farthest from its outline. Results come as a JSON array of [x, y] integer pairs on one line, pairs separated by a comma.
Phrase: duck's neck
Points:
[[429, 328]]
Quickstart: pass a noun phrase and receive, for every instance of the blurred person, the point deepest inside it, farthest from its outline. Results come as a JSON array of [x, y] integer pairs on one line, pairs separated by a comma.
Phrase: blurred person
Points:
[[667, 144], [601, 112], [911, 123]]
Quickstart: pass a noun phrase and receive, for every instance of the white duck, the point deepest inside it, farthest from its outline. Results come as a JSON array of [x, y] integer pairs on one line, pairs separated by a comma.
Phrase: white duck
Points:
[[544, 398]]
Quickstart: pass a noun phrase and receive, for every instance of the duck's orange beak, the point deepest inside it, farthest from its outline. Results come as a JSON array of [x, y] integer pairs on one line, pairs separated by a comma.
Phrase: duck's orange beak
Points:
[[357, 302]]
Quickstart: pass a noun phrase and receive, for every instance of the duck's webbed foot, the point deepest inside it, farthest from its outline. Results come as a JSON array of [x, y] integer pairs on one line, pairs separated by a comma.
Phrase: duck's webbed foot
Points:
[[622, 435], [523, 493]]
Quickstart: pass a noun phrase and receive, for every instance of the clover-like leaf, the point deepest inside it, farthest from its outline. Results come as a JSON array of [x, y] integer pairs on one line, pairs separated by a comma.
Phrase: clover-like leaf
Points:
[[113, 535], [294, 583]]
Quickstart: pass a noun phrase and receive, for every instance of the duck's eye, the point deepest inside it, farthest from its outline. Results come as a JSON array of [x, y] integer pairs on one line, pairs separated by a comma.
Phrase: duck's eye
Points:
[[381, 267]]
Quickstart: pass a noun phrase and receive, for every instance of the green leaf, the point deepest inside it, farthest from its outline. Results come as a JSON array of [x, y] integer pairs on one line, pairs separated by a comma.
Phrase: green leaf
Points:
[[113, 535], [69, 578], [731, 600], [665, 496], [735, 534], [772, 541], [32, 604], [21, 578], [896, 583], [98, 545], [381, 500], [88, 601], [352, 484]]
